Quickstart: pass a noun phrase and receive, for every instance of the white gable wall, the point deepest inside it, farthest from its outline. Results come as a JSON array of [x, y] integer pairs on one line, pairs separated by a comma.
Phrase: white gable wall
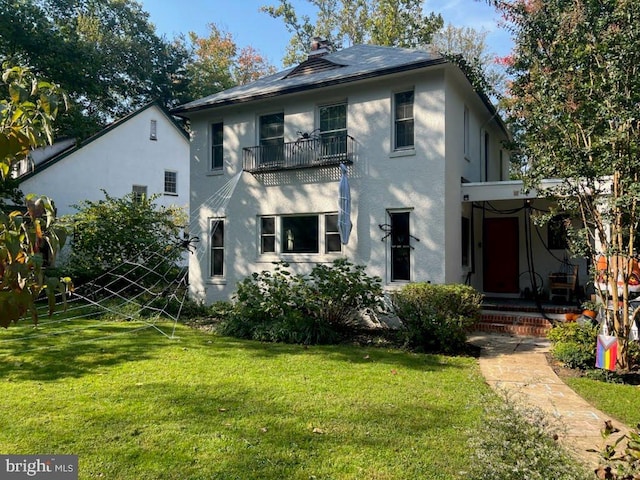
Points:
[[122, 157]]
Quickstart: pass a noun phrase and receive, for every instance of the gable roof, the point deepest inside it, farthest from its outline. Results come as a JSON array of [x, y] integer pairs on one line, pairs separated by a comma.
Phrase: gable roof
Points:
[[351, 64], [43, 165]]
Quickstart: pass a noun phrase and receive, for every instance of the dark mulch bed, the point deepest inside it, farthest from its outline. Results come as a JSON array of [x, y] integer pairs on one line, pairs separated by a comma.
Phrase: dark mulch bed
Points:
[[364, 337]]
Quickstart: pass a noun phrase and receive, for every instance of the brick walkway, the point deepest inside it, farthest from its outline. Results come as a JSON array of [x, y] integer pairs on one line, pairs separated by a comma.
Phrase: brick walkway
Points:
[[519, 365]]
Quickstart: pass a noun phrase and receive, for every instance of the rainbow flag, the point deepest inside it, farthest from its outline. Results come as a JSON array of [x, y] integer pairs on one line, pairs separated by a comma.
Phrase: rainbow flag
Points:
[[607, 352]]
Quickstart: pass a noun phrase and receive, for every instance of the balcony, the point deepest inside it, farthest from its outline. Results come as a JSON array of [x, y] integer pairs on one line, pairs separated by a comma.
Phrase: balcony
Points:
[[312, 152]]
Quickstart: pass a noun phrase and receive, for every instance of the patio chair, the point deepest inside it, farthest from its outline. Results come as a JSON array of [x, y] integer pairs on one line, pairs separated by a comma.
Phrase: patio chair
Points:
[[563, 284]]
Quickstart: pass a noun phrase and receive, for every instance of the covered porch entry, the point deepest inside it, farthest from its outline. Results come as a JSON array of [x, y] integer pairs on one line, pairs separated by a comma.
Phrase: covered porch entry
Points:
[[510, 257]]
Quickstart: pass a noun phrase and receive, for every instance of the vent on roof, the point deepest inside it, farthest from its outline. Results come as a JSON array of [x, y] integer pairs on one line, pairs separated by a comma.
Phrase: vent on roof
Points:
[[314, 64]]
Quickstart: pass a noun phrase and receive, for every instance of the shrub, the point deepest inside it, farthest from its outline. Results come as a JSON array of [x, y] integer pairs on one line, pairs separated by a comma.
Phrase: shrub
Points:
[[190, 309], [220, 310], [279, 306], [335, 293], [574, 344], [114, 234], [436, 317], [620, 454], [263, 300], [602, 375], [518, 442]]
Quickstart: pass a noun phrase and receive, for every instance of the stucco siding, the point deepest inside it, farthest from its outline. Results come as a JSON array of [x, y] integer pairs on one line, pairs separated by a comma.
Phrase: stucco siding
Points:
[[381, 179]]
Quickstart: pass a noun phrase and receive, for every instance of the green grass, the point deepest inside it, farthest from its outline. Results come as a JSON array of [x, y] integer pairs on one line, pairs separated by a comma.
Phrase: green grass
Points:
[[620, 401], [134, 404]]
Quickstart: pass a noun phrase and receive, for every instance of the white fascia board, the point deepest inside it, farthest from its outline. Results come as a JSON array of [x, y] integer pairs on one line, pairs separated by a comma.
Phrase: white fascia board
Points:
[[505, 190]]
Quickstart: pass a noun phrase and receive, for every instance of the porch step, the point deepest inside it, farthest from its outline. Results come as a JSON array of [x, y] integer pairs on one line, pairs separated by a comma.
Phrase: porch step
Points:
[[512, 323], [519, 320]]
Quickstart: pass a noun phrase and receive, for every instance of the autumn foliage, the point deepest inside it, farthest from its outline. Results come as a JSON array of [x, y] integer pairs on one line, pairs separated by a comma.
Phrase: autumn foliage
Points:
[[28, 237]]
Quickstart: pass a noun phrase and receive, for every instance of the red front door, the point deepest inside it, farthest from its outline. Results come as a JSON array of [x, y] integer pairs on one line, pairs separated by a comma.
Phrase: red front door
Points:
[[500, 259]]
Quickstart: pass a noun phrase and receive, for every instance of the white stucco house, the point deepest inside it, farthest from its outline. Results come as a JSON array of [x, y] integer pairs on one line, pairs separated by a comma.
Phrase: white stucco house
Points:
[[144, 152], [415, 137]]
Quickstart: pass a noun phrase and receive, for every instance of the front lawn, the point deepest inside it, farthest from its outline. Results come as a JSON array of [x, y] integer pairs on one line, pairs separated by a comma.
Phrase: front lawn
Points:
[[134, 404], [618, 400]]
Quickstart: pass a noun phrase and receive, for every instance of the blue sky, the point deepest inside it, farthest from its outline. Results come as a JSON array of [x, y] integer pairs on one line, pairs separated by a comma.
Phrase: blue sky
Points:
[[249, 26]]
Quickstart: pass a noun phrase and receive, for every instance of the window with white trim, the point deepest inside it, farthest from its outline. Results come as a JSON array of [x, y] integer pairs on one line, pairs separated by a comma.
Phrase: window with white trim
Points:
[[400, 243], [171, 182], [268, 235], [217, 248], [403, 120], [299, 234], [217, 146], [332, 242], [466, 241], [139, 192], [271, 131], [333, 128]]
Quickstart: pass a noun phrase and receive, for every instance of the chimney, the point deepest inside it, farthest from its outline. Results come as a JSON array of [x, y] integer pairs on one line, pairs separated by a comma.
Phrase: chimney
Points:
[[319, 47]]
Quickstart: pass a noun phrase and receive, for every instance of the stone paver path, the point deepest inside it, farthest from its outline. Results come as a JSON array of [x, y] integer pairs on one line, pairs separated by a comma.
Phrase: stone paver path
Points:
[[519, 365]]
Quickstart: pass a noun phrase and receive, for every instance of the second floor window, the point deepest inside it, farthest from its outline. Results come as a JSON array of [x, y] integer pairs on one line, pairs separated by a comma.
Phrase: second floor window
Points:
[[403, 120], [272, 137], [217, 151], [170, 182], [333, 128]]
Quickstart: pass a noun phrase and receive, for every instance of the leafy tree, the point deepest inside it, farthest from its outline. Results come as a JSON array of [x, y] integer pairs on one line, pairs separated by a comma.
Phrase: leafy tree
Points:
[[215, 63], [397, 23], [110, 232], [250, 66], [27, 238], [471, 44], [27, 241], [10, 190], [211, 63], [27, 111], [104, 53], [573, 107], [26, 115]]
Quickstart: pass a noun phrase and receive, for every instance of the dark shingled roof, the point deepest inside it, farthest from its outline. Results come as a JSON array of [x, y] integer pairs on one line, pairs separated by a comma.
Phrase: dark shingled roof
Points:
[[347, 65]]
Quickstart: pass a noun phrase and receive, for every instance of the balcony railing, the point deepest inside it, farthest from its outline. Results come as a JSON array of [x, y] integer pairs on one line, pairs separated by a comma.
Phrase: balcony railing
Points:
[[311, 152]]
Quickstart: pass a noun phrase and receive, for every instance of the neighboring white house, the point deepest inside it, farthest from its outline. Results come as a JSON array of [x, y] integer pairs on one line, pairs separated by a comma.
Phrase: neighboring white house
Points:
[[144, 152]]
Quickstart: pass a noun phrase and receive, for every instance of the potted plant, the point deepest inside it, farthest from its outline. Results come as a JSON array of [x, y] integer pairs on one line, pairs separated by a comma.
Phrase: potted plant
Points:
[[590, 308]]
